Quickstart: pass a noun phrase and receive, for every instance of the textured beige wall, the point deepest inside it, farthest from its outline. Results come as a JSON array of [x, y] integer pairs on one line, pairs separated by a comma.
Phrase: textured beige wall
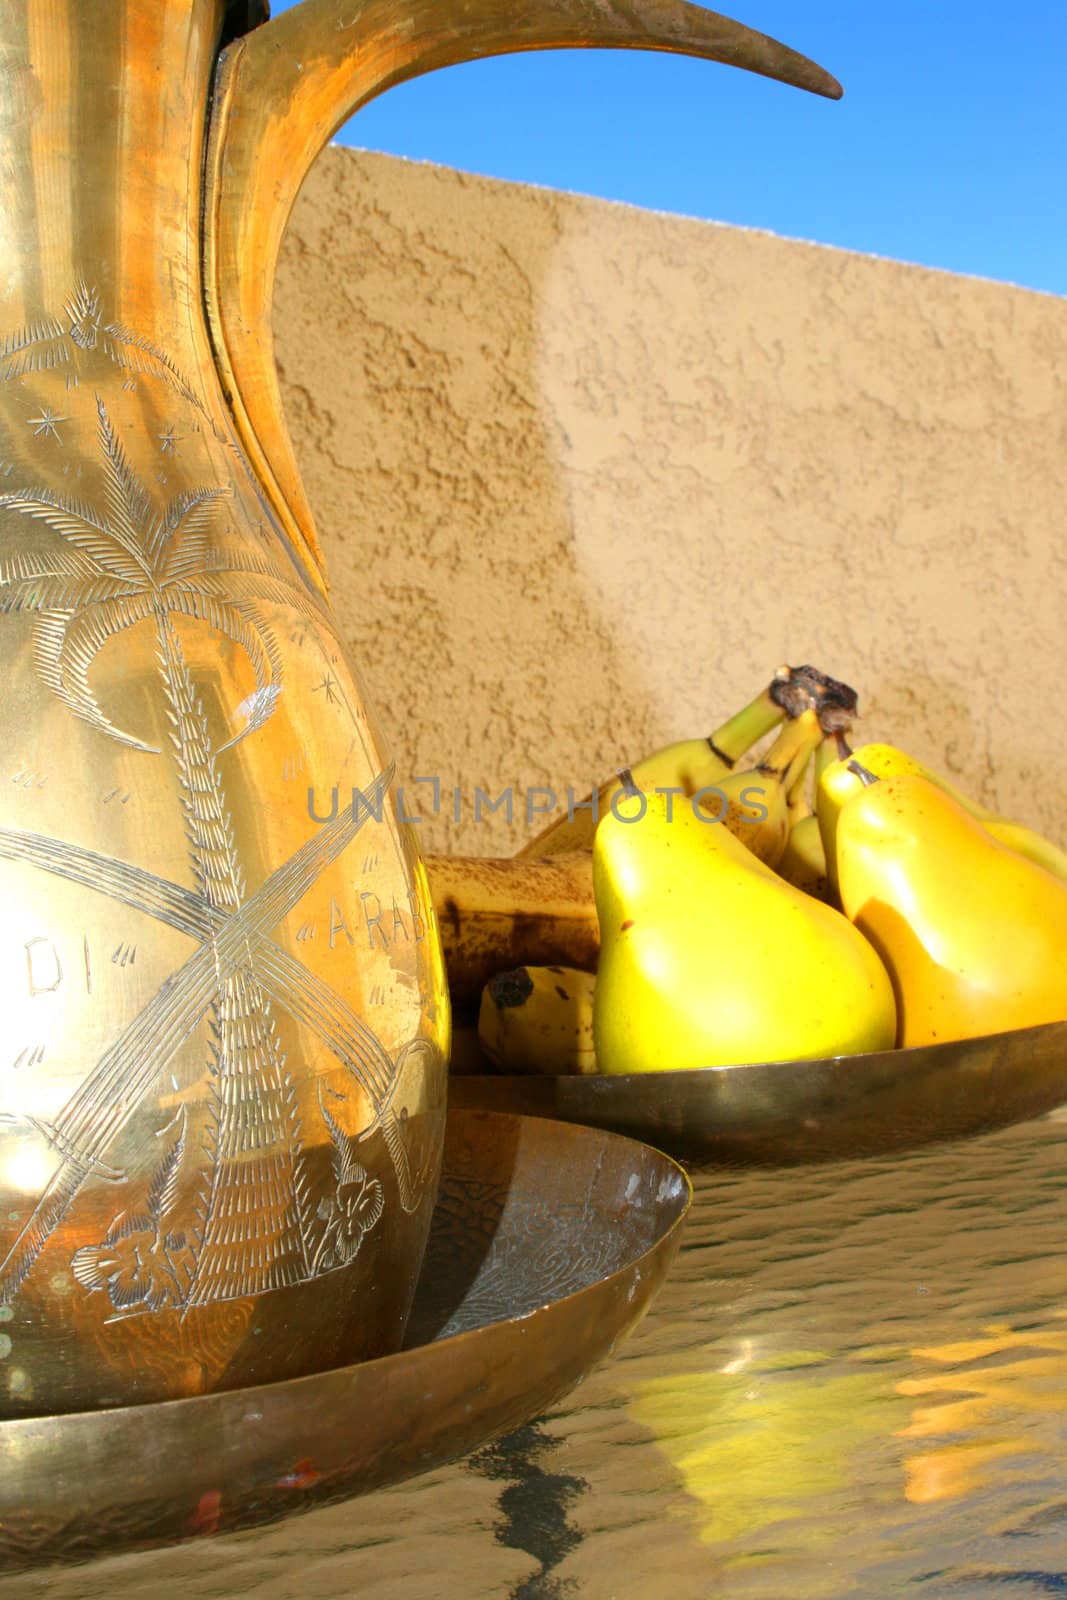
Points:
[[585, 474]]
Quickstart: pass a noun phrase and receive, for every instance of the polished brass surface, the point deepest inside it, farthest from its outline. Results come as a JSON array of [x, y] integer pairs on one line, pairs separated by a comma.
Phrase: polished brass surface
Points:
[[784, 1112], [223, 1088], [547, 1245]]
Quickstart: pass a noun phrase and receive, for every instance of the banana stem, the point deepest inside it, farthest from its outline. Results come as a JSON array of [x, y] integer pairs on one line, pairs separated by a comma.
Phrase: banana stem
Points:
[[798, 689], [747, 726], [791, 751]]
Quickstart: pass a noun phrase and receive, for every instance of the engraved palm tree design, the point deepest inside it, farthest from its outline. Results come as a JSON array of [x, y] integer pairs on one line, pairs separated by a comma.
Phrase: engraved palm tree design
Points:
[[133, 565], [256, 1229]]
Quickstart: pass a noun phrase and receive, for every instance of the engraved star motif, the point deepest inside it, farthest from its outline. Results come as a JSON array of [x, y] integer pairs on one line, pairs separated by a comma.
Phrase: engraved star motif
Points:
[[327, 685], [47, 423], [169, 441]]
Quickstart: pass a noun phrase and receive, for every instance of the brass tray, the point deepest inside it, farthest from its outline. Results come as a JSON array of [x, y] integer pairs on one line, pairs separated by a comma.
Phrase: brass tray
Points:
[[547, 1245], [783, 1112]]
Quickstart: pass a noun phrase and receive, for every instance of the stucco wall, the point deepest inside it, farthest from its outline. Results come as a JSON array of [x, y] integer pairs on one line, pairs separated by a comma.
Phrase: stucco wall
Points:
[[585, 474]]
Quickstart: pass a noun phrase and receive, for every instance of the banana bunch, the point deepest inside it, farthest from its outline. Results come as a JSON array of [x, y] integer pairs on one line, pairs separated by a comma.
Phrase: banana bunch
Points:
[[846, 901], [537, 910], [686, 767], [709, 766]]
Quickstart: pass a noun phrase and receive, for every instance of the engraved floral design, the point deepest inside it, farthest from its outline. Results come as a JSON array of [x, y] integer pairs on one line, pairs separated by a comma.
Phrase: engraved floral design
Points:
[[349, 1215], [141, 1263], [138, 1264], [354, 1207]]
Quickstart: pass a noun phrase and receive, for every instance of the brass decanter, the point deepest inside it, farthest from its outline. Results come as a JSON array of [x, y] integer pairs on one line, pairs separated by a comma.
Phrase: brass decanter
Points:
[[223, 1084]]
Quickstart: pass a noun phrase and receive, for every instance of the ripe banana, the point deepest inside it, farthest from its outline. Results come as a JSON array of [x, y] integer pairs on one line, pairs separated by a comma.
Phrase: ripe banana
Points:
[[754, 805], [797, 801], [539, 1019], [687, 765], [807, 786], [494, 914], [803, 863]]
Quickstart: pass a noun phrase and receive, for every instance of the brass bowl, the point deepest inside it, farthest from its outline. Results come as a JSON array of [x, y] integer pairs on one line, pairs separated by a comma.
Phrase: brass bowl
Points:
[[547, 1244], [781, 1112]]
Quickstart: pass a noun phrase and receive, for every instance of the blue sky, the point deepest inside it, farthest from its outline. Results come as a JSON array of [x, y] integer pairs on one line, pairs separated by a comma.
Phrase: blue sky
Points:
[[948, 149]]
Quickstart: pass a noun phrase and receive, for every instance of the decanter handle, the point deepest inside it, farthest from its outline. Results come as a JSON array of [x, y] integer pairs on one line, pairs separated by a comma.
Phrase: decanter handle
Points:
[[285, 88]]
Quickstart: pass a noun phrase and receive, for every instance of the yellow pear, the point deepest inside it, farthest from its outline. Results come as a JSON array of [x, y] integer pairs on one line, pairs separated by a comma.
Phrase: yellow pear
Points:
[[840, 780], [708, 958], [973, 934]]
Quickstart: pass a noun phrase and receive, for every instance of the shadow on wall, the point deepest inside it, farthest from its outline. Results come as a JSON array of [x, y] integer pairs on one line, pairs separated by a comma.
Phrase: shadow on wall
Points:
[[585, 475]]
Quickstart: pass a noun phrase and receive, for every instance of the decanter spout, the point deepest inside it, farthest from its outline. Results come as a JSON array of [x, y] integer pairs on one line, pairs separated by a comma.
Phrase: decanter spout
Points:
[[285, 88]]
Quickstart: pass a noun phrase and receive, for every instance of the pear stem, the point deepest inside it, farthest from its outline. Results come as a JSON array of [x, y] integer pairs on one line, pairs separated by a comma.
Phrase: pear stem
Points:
[[864, 774]]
